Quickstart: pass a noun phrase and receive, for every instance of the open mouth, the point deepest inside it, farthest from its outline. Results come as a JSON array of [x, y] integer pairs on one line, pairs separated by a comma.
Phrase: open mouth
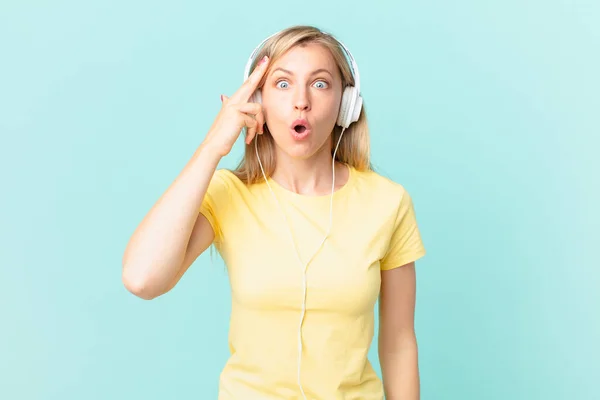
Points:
[[300, 128]]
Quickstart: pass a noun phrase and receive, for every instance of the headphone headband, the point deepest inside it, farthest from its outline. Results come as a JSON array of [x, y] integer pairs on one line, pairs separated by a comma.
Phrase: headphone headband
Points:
[[352, 62]]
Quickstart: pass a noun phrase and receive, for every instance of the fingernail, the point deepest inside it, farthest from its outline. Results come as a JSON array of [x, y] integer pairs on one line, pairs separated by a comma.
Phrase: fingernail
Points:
[[221, 98], [262, 61]]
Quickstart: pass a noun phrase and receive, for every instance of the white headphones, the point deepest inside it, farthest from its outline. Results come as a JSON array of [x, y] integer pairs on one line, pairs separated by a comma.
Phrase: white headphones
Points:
[[350, 108], [351, 99]]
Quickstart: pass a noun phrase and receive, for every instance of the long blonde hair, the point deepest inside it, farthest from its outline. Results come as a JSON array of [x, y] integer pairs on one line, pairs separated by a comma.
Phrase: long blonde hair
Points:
[[354, 148]]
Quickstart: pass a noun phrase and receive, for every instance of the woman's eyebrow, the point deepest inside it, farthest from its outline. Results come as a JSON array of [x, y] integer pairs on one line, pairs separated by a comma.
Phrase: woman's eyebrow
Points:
[[285, 71]]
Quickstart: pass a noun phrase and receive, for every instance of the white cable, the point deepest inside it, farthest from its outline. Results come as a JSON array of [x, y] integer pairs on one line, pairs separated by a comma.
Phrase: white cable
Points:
[[304, 282]]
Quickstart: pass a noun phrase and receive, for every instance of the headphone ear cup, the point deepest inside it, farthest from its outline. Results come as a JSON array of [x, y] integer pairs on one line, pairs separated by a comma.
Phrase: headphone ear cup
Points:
[[256, 97], [357, 109], [344, 107]]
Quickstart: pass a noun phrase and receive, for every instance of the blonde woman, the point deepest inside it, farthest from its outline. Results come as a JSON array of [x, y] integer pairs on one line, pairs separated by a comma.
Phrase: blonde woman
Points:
[[311, 235]]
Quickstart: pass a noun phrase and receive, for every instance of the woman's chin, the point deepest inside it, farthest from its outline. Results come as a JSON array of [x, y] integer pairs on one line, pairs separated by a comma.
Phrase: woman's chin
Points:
[[300, 152]]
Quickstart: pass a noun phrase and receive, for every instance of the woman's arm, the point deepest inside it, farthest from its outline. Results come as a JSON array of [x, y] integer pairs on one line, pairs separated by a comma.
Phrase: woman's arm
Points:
[[173, 233], [398, 353]]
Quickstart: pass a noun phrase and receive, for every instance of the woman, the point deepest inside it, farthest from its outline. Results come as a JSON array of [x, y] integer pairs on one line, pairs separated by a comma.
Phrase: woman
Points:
[[310, 234]]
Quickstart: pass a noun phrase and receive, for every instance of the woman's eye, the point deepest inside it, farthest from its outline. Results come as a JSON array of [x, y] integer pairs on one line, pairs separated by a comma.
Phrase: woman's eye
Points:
[[284, 84]]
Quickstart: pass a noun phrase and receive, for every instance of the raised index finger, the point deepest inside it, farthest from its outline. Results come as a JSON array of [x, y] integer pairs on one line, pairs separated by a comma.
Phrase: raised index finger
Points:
[[249, 86]]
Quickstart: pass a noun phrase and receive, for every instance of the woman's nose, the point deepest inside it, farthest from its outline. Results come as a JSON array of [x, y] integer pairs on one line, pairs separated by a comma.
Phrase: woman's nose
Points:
[[301, 101]]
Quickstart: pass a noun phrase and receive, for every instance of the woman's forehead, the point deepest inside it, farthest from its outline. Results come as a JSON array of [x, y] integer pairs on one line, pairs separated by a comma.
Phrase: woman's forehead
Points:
[[303, 59]]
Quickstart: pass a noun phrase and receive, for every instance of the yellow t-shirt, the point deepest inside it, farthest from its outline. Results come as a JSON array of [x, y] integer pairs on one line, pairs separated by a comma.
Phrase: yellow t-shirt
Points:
[[374, 228]]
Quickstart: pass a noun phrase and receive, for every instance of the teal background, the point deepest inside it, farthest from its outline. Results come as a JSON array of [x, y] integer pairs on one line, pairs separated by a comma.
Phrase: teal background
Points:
[[487, 112]]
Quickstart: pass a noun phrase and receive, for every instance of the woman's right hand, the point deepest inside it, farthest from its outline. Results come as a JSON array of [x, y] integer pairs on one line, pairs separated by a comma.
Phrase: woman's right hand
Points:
[[237, 113]]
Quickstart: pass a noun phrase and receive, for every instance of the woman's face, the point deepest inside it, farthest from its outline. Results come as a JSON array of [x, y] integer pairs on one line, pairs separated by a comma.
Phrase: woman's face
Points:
[[303, 87]]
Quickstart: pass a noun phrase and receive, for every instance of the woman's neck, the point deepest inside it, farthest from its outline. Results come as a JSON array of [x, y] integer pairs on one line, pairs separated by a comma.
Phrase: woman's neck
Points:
[[312, 176]]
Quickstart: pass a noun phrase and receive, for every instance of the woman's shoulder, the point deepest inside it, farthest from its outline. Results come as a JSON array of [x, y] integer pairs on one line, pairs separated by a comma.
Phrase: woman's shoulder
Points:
[[229, 180], [378, 181], [227, 177], [371, 181]]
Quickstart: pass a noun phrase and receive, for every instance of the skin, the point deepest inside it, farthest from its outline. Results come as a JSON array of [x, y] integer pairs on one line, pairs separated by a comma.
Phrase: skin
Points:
[[398, 350], [304, 83]]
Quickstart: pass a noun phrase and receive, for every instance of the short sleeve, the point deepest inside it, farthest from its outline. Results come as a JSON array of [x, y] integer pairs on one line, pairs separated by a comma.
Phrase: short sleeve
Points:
[[405, 243], [214, 202]]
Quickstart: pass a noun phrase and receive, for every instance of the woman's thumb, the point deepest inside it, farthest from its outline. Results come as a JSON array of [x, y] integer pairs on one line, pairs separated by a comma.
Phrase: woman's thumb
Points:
[[224, 98]]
